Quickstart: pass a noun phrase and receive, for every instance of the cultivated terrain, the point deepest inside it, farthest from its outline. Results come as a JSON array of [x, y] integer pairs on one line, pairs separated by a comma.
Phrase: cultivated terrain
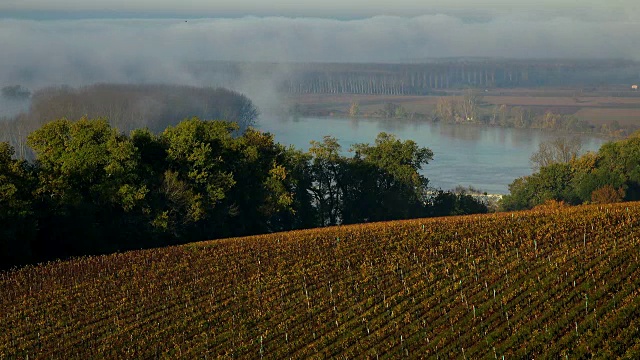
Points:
[[551, 282]]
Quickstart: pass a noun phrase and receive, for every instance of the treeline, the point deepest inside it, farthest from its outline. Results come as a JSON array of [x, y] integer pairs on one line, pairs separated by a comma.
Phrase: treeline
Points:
[[610, 175], [91, 189], [423, 78], [127, 107], [470, 108]]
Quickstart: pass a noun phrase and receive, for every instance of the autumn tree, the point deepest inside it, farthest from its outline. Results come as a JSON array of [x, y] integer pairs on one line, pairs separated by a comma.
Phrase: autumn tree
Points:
[[520, 117], [469, 105], [502, 117], [550, 120], [559, 150], [446, 109], [611, 174], [354, 109], [616, 164], [607, 195]]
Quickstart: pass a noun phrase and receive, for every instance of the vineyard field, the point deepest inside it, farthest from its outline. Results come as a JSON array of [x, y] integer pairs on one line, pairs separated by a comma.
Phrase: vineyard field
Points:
[[546, 283]]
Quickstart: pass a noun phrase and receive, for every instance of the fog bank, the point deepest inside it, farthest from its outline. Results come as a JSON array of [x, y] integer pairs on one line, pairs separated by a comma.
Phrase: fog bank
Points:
[[80, 52]]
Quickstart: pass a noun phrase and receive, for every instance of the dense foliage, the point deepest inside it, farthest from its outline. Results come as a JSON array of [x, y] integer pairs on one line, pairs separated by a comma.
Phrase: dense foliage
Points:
[[541, 284], [610, 175], [17, 221], [92, 189], [127, 107]]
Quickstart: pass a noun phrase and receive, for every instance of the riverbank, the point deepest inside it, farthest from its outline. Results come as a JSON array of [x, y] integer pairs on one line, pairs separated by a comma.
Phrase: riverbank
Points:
[[487, 158], [610, 112]]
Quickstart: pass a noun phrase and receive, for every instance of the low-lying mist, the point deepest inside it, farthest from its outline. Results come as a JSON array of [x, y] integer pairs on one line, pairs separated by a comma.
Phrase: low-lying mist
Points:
[[127, 107], [81, 52]]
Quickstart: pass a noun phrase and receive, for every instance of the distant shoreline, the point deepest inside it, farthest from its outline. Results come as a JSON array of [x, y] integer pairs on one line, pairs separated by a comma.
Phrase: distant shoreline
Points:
[[596, 113], [477, 125]]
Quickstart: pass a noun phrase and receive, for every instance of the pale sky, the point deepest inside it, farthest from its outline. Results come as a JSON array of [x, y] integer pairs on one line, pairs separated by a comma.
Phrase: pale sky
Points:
[[334, 8]]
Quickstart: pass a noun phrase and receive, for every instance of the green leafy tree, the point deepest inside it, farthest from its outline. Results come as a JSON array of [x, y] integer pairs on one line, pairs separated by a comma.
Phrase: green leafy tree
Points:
[[399, 189], [552, 182], [327, 166], [262, 194], [198, 176], [17, 223], [611, 174], [446, 203], [88, 187], [617, 164], [360, 189], [220, 184], [299, 183]]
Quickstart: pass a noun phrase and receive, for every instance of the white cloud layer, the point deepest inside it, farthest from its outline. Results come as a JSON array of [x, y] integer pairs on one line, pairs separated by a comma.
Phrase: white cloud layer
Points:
[[76, 52]]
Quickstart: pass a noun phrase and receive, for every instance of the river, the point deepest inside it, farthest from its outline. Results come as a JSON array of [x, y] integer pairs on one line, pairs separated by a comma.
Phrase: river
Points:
[[487, 158]]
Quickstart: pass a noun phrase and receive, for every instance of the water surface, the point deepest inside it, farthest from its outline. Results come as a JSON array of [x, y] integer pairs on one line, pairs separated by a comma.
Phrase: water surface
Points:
[[487, 158]]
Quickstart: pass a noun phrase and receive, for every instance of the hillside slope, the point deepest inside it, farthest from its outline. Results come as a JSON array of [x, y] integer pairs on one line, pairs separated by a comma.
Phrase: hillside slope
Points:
[[544, 283]]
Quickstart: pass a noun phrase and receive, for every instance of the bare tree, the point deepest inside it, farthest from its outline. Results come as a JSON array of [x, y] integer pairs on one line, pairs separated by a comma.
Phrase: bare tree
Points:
[[503, 115], [559, 150], [354, 109], [469, 106], [521, 117], [446, 109], [493, 119]]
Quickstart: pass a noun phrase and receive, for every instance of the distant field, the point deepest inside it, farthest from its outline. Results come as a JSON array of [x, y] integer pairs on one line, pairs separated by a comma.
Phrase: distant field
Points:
[[339, 104], [596, 107], [547, 283], [629, 116]]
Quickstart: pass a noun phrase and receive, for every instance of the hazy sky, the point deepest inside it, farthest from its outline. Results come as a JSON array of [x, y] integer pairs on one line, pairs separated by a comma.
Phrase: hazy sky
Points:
[[333, 8], [87, 41]]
